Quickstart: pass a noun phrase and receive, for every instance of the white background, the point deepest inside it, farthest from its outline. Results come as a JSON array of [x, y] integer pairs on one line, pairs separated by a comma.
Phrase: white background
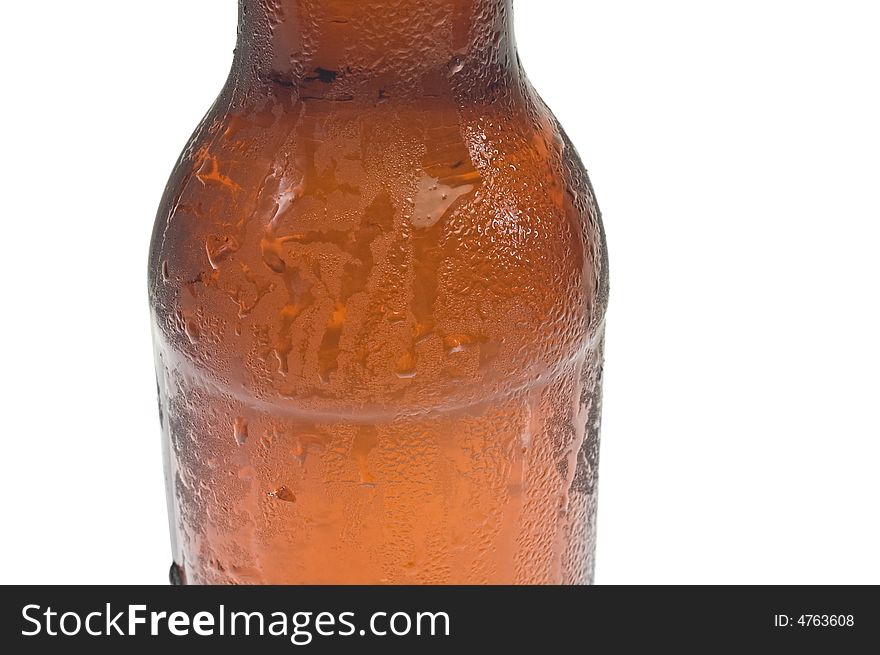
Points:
[[735, 149]]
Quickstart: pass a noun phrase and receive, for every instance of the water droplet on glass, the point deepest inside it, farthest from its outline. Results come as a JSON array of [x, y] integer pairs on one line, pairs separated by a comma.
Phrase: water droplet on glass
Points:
[[457, 343], [283, 493], [406, 366], [240, 430], [192, 330]]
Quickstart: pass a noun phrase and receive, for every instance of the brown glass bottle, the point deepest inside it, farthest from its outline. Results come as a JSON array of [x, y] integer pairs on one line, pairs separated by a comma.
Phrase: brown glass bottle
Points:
[[378, 283]]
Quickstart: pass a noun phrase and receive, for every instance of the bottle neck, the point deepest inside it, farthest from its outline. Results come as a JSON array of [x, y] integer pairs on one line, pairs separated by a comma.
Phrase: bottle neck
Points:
[[344, 49]]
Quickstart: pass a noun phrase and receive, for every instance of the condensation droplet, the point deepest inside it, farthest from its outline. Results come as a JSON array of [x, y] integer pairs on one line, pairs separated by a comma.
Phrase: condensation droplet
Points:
[[219, 248], [406, 366], [192, 330], [458, 343], [284, 494], [240, 430]]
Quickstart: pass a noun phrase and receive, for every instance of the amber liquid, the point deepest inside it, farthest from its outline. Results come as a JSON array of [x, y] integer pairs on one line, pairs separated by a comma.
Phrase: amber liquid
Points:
[[378, 300]]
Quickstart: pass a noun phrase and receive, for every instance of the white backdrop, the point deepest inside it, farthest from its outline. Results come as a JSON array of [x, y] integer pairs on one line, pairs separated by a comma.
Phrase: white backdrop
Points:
[[735, 149]]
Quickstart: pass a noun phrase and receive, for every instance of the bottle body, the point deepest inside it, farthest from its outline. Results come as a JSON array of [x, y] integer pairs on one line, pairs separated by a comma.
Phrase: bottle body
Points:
[[378, 312], [502, 493]]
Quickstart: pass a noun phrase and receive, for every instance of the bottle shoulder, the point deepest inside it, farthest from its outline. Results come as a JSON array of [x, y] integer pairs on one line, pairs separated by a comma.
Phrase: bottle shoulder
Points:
[[316, 164], [514, 135], [325, 253]]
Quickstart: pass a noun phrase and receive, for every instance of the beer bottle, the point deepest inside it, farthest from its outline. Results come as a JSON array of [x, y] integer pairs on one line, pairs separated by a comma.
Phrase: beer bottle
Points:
[[378, 282]]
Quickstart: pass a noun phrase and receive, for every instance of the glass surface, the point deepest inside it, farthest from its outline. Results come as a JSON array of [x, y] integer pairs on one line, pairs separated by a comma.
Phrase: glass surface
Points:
[[378, 282]]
